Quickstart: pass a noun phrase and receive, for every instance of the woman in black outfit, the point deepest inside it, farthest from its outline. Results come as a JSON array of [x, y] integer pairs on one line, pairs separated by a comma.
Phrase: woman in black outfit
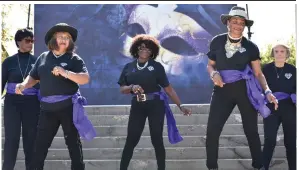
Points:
[[234, 66], [281, 78], [19, 110], [143, 78], [60, 71]]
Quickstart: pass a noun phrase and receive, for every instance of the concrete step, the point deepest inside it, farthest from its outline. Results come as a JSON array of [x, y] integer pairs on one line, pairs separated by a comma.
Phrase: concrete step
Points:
[[196, 119], [186, 130], [150, 164], [149, 153], [145, 142], [125, 109]]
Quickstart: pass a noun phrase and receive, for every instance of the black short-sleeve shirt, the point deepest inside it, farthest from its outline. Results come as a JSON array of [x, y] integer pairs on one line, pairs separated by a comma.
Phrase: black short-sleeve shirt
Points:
[[151, 78], [286, 81], [239, 60], [17, 66], [57, 85]]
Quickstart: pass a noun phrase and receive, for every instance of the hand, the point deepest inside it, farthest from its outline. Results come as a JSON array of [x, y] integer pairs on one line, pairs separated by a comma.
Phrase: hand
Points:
[[187, 112], [19, 89], [59, 71], [218, 80], [272, 99], [137, 88]]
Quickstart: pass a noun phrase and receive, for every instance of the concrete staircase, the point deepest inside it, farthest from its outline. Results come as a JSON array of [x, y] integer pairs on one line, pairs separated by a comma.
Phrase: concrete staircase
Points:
[[104, 152]]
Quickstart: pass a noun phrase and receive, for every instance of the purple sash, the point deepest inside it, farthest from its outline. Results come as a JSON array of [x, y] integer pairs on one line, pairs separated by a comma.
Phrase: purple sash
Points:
[[11, 87], [282, 95], [80, 120], [254, 90], [173, 132]]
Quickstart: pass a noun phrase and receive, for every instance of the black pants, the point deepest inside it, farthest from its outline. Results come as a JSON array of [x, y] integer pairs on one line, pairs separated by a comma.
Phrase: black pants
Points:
[[155, 111], [286, 114], [223, 102], [19, 111], [48, 125]]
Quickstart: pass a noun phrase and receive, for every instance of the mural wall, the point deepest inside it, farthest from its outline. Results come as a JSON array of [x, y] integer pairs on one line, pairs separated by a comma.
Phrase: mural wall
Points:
[[105, 35]]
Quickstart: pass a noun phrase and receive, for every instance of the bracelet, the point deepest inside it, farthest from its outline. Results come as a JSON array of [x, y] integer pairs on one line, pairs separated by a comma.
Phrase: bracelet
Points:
[[67, 74], [213, 74], [131, 89], [180, 106], [267, 91]]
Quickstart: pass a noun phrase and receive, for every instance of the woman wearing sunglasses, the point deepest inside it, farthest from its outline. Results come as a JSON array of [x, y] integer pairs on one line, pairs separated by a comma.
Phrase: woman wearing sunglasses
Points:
[[143, 79], [19, 111], [281, 78]]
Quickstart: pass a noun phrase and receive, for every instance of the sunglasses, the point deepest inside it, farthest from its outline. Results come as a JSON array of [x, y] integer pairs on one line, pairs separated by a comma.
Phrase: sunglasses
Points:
[[140, 48], [27, 41]]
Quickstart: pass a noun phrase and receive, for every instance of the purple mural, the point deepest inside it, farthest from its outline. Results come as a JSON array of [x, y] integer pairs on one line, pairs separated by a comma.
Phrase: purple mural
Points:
[[105, 35]]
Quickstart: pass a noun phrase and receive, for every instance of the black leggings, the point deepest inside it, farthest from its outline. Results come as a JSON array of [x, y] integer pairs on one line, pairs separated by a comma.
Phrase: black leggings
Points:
[[223, 102], [19, 111], [286, 114], [155, 111]]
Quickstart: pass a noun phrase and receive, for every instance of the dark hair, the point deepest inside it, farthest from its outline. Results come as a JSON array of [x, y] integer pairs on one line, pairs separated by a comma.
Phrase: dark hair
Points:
[[52, 45], [149, 42], [23, 33]]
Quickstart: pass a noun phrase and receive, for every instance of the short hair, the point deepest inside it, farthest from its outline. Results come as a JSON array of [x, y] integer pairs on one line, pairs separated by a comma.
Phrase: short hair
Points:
[[284, 46], [23, 33], [150, 43], [52, 44]]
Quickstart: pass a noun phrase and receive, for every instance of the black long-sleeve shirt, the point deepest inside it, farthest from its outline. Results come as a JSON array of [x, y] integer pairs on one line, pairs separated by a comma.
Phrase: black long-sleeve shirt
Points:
[[11, 68]]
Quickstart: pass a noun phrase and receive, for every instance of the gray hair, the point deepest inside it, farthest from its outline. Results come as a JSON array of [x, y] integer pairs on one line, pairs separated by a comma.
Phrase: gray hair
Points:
[[284, 46]]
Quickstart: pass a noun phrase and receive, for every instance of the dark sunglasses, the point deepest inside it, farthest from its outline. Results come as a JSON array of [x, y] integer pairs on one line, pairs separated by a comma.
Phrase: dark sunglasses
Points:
[[29, 41]]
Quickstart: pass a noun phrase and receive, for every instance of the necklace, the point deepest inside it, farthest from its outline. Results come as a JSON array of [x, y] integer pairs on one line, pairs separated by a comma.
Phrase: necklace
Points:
[[278, 75], [140, 68], [21, 69], [232, 48], [58, 55]]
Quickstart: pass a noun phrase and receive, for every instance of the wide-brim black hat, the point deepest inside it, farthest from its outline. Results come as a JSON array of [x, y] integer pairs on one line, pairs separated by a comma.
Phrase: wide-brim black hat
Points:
[[61, 27], [236, 12]]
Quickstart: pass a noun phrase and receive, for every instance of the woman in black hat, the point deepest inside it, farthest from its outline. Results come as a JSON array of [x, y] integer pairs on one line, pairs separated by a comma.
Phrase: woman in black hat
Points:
[[60, 72], [19, 110], [281, 77], [143, 78], [234, 66]]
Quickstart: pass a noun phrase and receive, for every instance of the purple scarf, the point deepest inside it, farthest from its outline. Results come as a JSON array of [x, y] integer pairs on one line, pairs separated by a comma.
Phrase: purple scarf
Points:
[[254, 90], [80, 120], [173, 132], [282, 95], [11, 87]]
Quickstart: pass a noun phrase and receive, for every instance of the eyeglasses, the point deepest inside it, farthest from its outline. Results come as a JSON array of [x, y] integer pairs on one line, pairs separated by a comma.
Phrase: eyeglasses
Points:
[[281, 51], [63, 38], [27, 41]]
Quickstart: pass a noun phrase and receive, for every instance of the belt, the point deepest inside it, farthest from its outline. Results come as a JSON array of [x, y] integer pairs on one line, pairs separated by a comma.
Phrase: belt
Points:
[[145, 97]]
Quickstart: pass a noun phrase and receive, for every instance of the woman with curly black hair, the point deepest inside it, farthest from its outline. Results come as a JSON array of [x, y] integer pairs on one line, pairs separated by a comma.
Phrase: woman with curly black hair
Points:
[[143, 78]]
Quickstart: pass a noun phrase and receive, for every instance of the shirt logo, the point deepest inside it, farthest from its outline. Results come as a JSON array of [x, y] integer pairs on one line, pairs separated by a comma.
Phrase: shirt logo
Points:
[[288, 75], [242, 49], [63, 64], [150, 68]]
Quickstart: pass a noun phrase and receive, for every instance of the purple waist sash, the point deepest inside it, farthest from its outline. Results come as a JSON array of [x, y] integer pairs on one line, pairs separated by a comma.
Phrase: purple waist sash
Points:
[[80, 120], [11, 87], [173, 132], [254, 90], [282, 95]]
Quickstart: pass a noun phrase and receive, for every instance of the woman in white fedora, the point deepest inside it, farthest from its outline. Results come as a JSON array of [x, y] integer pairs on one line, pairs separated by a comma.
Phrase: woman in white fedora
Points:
[[281, 77], [234, 67]]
